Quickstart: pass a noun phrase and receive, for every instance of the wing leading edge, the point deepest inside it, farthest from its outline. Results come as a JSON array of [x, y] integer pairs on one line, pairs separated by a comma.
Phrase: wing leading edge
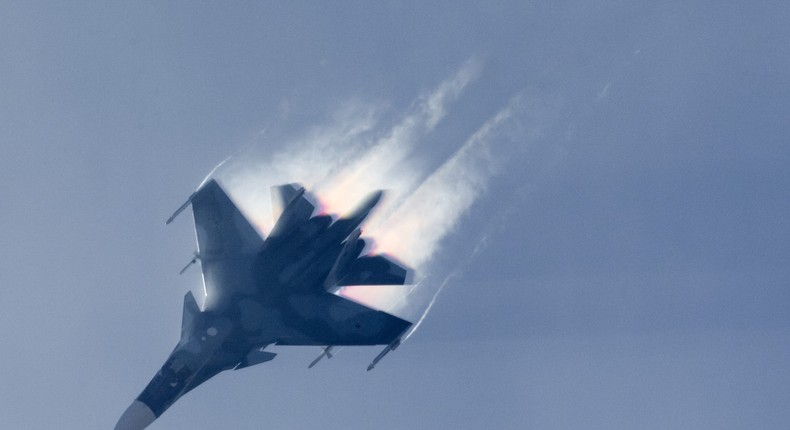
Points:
[[222, 230], [227, 245]]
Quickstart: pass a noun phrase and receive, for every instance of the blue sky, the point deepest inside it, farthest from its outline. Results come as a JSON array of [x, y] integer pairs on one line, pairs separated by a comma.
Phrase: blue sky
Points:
[[622, 264]]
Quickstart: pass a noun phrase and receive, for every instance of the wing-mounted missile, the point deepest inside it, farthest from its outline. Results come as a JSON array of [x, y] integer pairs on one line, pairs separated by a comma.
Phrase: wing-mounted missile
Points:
[[327, 352], [391, 347], [195, 258], [181, 209]]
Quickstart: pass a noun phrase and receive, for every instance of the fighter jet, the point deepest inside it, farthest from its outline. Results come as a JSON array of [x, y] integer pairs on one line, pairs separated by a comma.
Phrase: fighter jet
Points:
[[273, 291]]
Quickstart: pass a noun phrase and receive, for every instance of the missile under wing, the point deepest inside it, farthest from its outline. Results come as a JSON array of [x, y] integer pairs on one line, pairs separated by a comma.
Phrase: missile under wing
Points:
[[272, 291]]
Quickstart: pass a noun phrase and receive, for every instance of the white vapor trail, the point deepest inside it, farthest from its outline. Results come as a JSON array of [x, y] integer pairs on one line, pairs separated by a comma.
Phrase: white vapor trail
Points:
[[342, 162], [433, 210], [415, 229]]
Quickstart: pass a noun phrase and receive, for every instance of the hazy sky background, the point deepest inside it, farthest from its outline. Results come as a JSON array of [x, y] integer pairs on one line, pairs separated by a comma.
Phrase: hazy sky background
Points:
[[623, 262]]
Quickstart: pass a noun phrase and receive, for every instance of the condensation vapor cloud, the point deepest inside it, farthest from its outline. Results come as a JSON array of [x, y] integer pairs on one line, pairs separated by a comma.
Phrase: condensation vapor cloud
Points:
[[341, 162]]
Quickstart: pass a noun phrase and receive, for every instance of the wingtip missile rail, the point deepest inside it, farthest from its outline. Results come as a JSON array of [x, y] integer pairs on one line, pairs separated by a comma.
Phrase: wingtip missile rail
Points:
[[181, 209]]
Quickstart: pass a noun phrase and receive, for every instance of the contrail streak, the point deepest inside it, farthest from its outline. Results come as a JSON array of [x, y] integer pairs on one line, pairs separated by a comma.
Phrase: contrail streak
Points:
[[343, 161], [429, 307]]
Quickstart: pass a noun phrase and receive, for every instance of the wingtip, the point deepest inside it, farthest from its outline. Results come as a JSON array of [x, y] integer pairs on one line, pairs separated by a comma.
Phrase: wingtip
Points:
[[181, 208]]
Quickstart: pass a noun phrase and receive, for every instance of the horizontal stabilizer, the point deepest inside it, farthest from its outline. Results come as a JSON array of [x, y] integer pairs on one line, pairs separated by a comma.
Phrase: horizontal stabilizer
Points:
[[374, 270]]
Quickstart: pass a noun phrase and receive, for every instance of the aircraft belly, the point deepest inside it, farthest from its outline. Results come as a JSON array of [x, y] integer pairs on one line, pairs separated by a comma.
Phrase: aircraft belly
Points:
[[225, 279], [273, 291]]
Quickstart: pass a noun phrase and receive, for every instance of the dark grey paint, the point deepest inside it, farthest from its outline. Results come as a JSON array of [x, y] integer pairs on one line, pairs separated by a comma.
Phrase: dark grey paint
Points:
[[273, 291]]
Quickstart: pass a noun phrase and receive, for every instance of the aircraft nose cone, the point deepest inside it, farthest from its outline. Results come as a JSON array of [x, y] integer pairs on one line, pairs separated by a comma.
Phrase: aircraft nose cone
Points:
[[137, 417]]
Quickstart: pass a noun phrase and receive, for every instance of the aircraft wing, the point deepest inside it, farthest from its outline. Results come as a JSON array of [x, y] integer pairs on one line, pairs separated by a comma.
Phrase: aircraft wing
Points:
[[222, 231], [227, 243], [337, 320], [333, 320]]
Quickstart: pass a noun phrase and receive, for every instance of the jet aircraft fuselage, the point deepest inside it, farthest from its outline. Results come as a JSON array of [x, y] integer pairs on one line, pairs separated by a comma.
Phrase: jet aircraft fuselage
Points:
[[273, 291]]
